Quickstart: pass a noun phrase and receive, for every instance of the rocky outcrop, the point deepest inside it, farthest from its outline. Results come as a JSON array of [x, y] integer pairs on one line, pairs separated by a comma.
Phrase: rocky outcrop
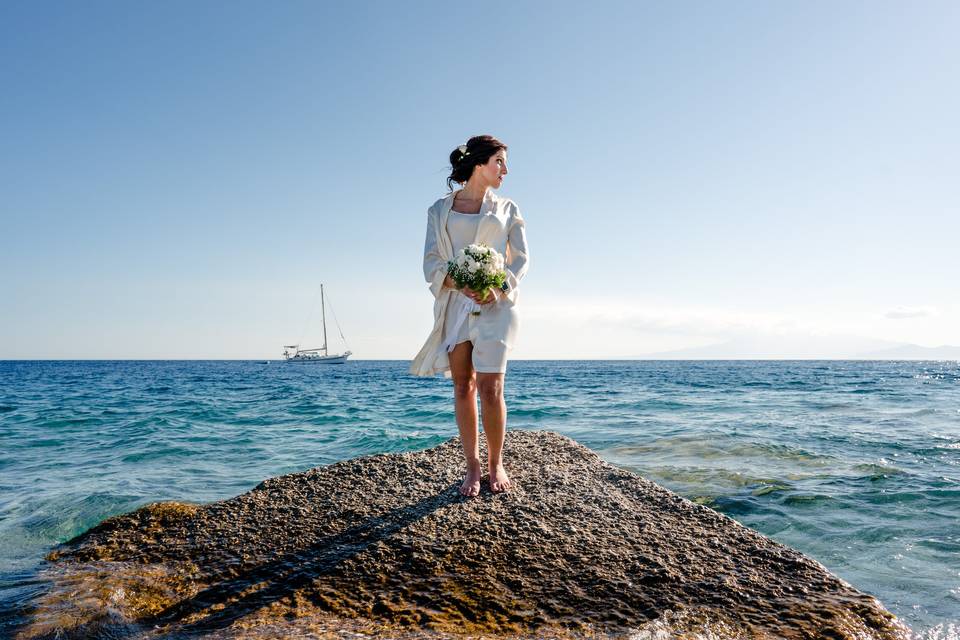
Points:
[[385, 544]]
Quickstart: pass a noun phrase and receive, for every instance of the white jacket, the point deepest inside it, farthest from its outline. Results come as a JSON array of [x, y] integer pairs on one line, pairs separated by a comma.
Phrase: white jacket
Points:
[[500, 227]]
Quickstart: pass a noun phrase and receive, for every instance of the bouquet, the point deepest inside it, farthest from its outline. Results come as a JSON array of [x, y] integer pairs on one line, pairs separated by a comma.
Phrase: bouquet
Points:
[[479, 267]]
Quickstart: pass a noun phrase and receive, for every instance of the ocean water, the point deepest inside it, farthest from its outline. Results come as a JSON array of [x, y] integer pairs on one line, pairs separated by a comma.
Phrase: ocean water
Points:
[[856, 464]]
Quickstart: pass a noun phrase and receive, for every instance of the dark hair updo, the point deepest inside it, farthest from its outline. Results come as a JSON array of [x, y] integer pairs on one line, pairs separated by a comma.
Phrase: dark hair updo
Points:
[[479, 150]]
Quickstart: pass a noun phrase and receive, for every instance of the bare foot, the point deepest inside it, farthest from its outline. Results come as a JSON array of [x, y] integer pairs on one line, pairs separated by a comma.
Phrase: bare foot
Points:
[[471, 483], [499, 480]]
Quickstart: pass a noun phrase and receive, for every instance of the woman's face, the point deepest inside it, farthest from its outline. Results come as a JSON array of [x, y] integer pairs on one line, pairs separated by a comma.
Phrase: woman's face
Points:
[[493, 171]]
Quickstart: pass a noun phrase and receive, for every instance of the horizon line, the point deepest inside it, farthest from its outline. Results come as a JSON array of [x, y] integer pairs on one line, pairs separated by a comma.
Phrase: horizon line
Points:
[[268, 360]]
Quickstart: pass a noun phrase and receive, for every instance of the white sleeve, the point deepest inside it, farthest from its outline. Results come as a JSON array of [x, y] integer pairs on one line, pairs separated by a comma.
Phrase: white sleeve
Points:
[[434, 266], [518, 254]]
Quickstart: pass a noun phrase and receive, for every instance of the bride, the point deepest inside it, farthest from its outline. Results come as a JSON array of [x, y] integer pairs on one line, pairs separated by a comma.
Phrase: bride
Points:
[[467, 347]]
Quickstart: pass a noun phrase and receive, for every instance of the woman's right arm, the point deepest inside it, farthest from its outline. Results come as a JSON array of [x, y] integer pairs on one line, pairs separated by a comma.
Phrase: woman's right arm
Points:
[[434, 266]]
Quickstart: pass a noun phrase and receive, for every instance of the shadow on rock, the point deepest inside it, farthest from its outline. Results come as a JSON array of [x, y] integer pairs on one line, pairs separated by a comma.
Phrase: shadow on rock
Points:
[[277, 580]]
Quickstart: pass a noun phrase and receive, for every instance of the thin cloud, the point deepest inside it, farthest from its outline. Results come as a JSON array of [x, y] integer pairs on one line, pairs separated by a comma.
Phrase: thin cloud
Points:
[[713, 323], [901, 313]]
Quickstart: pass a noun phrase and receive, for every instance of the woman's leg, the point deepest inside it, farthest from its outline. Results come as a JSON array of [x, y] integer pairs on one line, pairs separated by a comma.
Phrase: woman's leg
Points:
[[465, 408], [494, 411]]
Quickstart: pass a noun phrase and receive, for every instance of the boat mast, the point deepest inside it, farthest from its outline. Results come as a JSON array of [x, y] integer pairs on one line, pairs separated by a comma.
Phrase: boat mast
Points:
[[323, 312]]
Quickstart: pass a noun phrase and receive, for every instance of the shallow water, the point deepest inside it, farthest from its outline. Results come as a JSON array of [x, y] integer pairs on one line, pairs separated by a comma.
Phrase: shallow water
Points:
[[856, 464]]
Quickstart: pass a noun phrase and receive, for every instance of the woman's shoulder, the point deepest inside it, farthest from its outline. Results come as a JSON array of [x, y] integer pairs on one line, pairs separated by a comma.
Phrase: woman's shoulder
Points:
[[502, 203], [436, 206], [508, 205]]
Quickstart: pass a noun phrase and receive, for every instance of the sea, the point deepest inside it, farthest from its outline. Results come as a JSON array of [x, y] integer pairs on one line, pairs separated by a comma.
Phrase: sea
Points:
[[854, 463]]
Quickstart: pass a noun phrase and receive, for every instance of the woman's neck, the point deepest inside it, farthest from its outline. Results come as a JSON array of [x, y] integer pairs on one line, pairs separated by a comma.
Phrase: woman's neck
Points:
[[471, 192]]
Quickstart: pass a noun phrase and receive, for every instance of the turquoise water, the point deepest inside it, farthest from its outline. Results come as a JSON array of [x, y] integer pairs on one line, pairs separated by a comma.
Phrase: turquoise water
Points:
[[856, 464]]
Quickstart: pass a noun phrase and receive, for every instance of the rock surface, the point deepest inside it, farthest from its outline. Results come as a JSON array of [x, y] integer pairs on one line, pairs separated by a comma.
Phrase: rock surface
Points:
[[386, 545]]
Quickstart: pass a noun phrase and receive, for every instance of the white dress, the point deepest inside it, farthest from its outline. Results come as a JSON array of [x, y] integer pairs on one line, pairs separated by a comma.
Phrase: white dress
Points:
[[492, 333], [462, 228], [460, 325]]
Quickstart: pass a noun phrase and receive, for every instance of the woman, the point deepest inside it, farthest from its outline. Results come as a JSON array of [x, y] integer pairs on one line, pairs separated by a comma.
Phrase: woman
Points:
[[468, 347]]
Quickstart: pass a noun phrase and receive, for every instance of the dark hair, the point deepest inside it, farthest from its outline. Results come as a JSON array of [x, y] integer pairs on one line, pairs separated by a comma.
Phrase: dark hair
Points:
[[479, 150]]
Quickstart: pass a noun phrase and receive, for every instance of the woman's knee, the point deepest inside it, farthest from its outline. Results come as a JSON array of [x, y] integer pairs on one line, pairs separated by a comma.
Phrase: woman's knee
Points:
[[464, 387], [491, 388]]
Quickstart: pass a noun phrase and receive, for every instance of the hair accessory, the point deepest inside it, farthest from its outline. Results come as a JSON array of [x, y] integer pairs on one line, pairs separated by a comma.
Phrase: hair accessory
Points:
[[463, 149]]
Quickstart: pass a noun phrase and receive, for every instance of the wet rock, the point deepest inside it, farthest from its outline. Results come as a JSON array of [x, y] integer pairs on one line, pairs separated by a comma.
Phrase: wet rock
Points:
[[386, 545]]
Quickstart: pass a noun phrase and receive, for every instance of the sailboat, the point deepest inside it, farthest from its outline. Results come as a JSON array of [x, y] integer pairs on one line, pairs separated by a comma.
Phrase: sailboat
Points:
[[317, 355]]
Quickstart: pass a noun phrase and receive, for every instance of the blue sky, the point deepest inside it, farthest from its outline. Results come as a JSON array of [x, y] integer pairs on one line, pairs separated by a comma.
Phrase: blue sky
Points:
[[179, 177]]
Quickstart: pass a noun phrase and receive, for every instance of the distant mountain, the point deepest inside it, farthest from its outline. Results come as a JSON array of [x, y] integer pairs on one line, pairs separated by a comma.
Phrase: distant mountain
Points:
[[913, 352], [721, 351], [778, 347], [772, 349]]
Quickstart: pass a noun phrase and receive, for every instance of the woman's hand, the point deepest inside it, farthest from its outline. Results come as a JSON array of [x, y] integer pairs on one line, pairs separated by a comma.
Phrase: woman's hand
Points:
[[492, 295], [470, 293]]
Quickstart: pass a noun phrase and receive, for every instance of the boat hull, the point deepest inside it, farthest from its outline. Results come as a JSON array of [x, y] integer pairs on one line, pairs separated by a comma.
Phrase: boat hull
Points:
[[342, 359]]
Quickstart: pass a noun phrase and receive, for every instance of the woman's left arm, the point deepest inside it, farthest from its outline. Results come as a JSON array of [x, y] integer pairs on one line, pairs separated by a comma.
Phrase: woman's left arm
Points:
[[516, 260], [518, 253]]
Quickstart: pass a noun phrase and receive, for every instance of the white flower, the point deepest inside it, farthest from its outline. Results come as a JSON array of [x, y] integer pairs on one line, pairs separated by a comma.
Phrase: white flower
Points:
[[477, 263]]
